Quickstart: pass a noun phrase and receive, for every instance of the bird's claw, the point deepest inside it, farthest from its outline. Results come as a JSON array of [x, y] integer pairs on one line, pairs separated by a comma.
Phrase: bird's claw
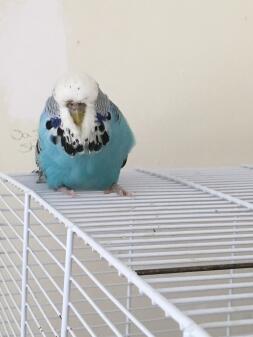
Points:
[[67, 191], [40, 180], [115, 188]]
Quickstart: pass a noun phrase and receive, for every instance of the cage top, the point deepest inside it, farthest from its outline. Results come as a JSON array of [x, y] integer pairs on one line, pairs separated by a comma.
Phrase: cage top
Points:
[[164, 226], [187, 232]]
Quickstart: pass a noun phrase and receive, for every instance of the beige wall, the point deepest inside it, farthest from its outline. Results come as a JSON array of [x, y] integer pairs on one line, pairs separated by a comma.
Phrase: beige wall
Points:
[[181, 71]]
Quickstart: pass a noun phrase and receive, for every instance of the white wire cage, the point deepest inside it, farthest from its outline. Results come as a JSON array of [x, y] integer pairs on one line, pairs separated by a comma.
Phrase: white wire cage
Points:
[[173, 260]]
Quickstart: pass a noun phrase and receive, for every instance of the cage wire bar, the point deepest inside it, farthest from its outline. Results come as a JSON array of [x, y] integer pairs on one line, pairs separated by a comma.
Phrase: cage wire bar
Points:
[[173, 260]]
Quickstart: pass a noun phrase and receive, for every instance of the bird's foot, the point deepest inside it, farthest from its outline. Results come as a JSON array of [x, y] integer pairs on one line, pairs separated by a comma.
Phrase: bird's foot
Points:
[[116, 188], [67, 191], [41, 179]]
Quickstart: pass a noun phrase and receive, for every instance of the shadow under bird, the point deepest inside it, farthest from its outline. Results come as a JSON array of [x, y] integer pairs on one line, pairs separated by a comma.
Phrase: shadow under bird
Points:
[[84, 139]]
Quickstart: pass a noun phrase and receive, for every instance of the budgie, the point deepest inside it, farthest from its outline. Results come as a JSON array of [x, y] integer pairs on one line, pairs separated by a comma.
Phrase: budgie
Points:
[[83, 140]]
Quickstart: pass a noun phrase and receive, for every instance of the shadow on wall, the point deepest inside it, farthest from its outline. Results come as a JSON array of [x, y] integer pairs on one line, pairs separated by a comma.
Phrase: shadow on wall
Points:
[[26, 140]]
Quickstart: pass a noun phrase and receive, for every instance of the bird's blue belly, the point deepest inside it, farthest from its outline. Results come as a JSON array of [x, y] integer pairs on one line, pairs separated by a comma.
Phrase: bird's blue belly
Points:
[[92, 173]]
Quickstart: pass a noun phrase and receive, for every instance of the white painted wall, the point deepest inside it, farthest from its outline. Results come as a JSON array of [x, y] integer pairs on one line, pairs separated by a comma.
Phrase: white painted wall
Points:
[[181, 71], [33, 54], [33, 46]]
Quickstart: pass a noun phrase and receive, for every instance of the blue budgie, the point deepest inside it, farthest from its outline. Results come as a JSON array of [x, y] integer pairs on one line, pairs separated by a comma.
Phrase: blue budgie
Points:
[[84, 139]]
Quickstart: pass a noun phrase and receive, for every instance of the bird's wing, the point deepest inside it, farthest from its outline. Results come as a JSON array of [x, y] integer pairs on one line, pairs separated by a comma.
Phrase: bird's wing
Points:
[[37, 153], [118, 121], [50, 119]]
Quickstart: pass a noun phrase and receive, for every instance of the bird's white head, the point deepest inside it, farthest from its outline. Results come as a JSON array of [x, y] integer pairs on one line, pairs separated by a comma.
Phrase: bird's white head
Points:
[[78, 88], [76, 93]]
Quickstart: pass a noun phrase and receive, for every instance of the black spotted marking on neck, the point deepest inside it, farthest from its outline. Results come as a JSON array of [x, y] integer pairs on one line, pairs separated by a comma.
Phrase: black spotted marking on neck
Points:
[[53, 122], [101, 127], [69, 149], [91, 146], [60, 132], [49, 125], [97, 146], [63, 141], [101, 138], [73, 145], [54, 139], [105, 138], [79, 148]]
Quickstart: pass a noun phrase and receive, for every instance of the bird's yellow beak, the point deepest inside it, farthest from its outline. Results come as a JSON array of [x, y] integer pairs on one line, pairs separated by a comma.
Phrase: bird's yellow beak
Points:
[[78, 117]]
